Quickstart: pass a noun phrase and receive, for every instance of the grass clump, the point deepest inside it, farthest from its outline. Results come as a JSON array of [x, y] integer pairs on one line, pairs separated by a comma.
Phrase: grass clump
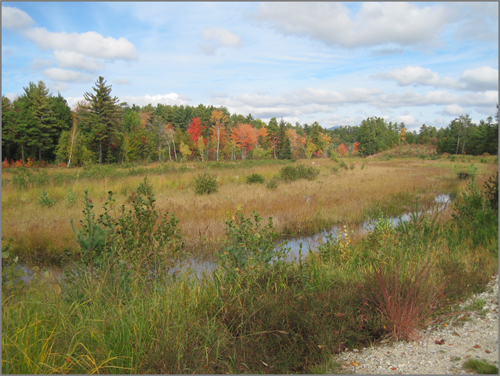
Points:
[[480, 366], [205, 184], [293, 173], [272, 184], [45, 200], [255, 179]]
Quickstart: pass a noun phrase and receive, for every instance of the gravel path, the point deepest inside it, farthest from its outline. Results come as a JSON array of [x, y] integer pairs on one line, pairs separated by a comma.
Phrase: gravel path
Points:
[[469, 335]]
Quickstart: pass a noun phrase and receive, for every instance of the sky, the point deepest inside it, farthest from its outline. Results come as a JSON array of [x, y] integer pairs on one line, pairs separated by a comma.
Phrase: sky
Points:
[[331, 62]]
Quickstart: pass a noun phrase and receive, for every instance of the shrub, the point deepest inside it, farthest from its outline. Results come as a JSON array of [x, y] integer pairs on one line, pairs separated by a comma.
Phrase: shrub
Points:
[[491, 191], [405, 292], [250, 245], [343, 165], [45, 200], [205, 183], [70, 198], [351, 166], [272, 184], [292, 173], [255, 178]]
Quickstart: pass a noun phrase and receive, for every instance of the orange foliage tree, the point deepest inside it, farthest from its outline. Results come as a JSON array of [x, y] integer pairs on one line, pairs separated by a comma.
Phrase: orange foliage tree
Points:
[[297, 141], [342, 150], [245, 137]]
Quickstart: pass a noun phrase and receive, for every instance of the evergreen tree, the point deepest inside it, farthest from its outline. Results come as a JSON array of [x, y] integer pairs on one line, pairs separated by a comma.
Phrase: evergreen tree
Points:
[[284, 145], [43, 130], [273, 134], [103, 118]]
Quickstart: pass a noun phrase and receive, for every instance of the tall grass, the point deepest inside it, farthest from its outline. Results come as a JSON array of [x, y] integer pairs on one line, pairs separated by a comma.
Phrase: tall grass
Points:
[[256, 314]]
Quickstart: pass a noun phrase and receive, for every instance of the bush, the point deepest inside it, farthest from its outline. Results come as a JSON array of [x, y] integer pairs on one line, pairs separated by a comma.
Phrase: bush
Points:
[[45, 200], [205, 183], [343, 165], [405, 292], [250, 245], [255, 178], [292, 173], [272, 184]]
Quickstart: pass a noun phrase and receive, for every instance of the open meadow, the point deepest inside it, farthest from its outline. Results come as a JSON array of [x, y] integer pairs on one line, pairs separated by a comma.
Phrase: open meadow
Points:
[[103, 298]]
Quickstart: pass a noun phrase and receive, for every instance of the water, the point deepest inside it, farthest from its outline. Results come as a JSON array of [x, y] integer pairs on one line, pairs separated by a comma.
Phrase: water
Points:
[[299, 246]]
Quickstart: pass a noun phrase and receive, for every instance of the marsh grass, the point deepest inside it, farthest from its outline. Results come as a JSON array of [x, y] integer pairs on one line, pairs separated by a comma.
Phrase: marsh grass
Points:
[[44, 234], [249, 317]]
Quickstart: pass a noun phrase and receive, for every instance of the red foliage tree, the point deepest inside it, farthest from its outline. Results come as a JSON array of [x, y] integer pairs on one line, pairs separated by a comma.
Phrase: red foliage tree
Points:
[[245, 136], [356, 147], [195, 129], [342, 150]]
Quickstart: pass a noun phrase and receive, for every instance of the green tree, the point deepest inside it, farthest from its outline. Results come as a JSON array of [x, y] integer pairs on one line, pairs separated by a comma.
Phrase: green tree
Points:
[[103, 118], [284, 145], [273, 134], [42, 129]]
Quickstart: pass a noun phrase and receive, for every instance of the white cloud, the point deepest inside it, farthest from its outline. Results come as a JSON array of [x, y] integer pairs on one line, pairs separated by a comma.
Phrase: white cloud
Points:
[[14, 18], [89, 43], [481, 79], [452, 110], [168, 99], [218, 37], [57, 86], [71, 59], [121, 81], [407, 119], [415, 75], [478, 79], [66, 75], [313, 101], [402, 24], [480, 21], [38, 64]]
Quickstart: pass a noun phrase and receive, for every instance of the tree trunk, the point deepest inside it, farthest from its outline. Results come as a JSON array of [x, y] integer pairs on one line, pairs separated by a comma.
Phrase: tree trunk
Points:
[[175, 153], [218, 137], [169, 152]]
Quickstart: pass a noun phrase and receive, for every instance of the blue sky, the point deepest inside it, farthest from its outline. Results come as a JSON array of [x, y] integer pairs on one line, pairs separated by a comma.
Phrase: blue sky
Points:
[[331, 62]]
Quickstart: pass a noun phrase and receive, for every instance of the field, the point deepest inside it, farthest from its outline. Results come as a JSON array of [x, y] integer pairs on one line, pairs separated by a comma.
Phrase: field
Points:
[[256, 314]]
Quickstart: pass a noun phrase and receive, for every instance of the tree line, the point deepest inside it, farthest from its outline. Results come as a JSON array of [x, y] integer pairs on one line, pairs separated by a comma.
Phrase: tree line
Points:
[[101, 129]]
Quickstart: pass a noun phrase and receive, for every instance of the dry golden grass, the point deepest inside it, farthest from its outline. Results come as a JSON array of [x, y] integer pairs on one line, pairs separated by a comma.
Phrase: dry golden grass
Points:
[[348, 196]]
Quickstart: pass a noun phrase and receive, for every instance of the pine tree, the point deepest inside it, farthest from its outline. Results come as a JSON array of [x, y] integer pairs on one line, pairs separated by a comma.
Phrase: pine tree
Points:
[[284, 146], [103, 119], [272, 134], [42, 130]]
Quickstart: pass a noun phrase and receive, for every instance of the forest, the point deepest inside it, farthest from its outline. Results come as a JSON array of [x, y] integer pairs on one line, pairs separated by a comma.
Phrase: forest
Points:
[[39, 128]]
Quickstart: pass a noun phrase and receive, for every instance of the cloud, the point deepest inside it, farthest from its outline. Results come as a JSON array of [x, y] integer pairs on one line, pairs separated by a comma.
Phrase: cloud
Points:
[[418, 76], [313, 101], [66, 75], [402, 24], [480, 79], [452, 110], [407, 119], [71, 59], [57, 86], [39, 64], [89, 44], [167, 99], [218, 37], [14, 18], [121, 81], [480, 21], [387, 51]]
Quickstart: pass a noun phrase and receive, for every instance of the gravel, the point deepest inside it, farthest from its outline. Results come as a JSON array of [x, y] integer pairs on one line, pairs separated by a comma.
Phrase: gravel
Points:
[[472, 334]]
